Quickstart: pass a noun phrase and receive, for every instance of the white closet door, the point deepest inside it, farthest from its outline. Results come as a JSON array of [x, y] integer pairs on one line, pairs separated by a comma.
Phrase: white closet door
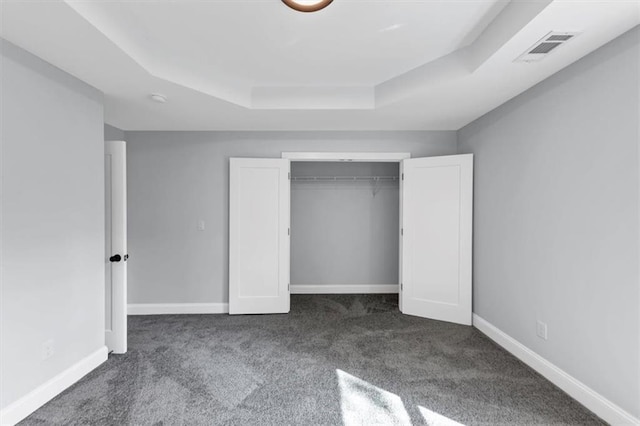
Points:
[[437, 198], [259, 236]]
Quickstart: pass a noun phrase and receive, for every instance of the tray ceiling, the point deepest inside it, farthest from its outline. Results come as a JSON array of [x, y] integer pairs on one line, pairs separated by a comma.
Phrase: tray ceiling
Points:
[[357, 64]]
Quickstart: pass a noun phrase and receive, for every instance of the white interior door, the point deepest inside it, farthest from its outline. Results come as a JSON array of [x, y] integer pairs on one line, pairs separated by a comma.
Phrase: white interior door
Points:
[[437, 198], [259, 236], [116, 246]]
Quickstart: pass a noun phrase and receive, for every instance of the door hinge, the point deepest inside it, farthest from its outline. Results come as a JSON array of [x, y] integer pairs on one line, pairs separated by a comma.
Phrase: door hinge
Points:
[[401, 286], [289, 175], [288, 231], [403, 176], [401, 231]]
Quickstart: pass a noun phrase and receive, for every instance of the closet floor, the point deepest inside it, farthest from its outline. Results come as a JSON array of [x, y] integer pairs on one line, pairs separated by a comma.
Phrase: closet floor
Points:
[[334, 360]]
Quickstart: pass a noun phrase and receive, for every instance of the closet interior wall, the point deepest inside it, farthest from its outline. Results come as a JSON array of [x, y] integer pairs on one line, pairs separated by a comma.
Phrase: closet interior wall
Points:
[[344, 223]]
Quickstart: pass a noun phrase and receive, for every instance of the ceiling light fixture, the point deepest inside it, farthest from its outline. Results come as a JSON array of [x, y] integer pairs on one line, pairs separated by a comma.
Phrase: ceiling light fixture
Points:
[[307, 5]]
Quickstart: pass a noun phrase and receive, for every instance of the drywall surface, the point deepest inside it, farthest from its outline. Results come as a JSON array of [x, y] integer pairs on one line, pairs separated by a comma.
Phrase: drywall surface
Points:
[[113, 133], [177, 179], [344, 231], [556, 219], [52, 286]]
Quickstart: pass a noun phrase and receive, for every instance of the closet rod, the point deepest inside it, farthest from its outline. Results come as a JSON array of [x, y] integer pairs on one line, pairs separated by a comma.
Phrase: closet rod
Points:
[[343, 178]]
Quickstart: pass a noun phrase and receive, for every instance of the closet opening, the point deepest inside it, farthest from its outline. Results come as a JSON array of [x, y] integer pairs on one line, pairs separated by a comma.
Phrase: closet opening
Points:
[[345, 225]]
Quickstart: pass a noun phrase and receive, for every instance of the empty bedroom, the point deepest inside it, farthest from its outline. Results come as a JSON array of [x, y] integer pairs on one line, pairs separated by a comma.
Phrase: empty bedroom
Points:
[[320, 212]]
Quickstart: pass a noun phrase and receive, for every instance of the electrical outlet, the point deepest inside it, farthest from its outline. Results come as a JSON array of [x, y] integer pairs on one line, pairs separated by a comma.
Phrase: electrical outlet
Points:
[[541, 330], [201, 225], [47, 349]]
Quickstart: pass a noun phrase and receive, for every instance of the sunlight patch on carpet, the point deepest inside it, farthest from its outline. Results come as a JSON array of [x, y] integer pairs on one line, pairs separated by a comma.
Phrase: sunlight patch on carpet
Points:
[[365, 404], [434, 419]]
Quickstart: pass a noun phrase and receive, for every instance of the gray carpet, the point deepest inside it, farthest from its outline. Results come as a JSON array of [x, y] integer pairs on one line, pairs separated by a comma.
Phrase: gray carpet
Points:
[[334, 360]]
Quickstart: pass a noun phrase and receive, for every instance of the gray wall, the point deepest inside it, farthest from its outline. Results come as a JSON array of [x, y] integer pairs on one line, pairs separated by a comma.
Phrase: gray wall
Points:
[[556, 219], [52, 282], [344, 232], [176, 179], [113, 133]]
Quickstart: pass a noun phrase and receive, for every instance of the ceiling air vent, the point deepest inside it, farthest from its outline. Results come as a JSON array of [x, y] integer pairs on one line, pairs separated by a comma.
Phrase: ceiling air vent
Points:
[[545, 45]]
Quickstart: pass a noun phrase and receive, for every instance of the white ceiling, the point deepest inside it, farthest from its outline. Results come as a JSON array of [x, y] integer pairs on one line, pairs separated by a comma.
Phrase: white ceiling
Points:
[[356, 65]]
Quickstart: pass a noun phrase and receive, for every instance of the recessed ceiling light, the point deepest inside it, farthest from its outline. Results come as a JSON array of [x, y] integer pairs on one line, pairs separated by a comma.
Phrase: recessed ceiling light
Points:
[[157, 97], [307, 5]]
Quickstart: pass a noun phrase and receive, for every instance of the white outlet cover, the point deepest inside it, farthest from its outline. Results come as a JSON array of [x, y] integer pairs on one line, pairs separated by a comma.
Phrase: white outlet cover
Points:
[[47, 349], [541, 330]]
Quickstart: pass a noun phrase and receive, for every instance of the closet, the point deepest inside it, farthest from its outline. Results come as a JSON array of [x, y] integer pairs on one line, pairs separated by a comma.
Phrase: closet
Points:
[[344, 227], [347, 234]]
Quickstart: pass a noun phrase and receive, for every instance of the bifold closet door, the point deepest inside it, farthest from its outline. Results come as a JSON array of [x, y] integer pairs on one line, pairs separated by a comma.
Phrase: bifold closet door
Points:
[[437, 199], [259, 192]]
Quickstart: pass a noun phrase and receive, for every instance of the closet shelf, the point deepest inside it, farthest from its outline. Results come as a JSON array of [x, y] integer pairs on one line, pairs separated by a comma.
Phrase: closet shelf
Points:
[[343, 178]]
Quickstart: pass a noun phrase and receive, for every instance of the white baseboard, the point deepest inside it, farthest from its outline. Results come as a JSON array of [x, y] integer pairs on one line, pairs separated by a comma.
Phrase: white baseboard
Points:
[[223, 308], [44, 393], [598, 404], [177, 308], [344, 288]]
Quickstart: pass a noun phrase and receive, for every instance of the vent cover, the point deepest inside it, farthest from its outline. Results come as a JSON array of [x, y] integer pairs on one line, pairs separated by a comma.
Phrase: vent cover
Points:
[[545, 45], [544, 48]]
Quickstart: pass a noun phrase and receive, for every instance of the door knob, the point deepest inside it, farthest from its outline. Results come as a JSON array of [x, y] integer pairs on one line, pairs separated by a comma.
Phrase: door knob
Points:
[[115, 258]]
